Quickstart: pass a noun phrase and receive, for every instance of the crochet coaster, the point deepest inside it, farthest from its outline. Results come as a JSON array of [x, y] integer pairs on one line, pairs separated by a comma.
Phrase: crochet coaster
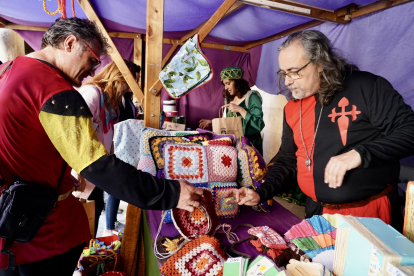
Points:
[[268, 237], [226, 141], [168, 218], [185, 162], [252, 162], [222, 163], [201, 221], [201, 256], [223, 209]]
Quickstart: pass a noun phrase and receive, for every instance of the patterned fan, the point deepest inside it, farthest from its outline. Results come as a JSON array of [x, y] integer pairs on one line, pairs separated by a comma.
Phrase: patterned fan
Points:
[[316, 237]]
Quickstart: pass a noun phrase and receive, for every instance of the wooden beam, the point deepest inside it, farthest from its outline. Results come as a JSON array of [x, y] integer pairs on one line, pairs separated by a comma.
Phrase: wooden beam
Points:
[[25, 27], [233, 8], [113, 52], [138, 55], [155, 26], [3, 22], [125, 35], [377, 6], [284, 33], [298, 9], [214, 19]]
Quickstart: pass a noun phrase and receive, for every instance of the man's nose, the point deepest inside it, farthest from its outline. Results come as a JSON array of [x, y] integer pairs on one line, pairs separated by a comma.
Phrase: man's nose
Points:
[[288, 81]]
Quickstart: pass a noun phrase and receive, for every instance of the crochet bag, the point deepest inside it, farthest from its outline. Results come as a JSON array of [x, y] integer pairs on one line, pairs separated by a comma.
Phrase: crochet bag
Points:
[[202, 256], [252, 168], [223, 209], [189, 69]]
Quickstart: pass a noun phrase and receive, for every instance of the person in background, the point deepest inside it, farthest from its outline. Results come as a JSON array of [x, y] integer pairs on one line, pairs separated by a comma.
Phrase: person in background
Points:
[[344, 130], [126, 111], [242, 102], [51, 127], [103, 94]]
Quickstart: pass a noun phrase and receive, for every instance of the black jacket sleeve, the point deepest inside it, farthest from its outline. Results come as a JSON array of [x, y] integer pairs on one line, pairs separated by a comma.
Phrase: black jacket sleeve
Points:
[[284, 165], [138, 188], [394, 119]]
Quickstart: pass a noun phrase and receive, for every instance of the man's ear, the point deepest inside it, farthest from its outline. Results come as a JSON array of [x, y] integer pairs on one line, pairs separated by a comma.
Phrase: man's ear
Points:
[[69, 43]]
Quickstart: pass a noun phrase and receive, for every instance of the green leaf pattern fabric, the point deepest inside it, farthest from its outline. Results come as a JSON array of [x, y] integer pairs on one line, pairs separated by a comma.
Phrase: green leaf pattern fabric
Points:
[[188, 70]]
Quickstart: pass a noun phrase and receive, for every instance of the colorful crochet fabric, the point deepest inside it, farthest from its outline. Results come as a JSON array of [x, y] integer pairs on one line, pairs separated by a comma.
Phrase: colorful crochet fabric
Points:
[[200, 257], [127, 135], [168, 218], [200, 137], [223, 209], [268, 237], [252, 162], [222, 163], [146, 164], [202, 220], [146, 134], [185, 162], [226, 141], [157, 144], [183, 133], [217, 136]]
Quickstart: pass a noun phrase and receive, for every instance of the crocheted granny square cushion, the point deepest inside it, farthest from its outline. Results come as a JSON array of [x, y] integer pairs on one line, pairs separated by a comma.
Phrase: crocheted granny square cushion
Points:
[[252, 162], [157, 144], [218, 136], [223, 209], [200, 137], [185, 162], [203, 220], [146, 134], [268, 237], [222, 163], [168, 218], [199, 257], [226, 141]]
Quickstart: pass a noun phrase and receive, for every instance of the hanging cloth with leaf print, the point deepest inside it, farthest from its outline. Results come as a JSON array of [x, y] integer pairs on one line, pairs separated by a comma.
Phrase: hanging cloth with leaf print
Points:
[[189, 69]]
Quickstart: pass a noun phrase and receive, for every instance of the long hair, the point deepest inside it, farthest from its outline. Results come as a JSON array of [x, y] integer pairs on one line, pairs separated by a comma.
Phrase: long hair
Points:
[[320, 52], [110, 79], [241, 86], [82, 29]]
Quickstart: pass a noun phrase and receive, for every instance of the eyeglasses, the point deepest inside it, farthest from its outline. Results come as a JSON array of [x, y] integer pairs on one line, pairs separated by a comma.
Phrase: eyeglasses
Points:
[[294, 75], [93, 53]]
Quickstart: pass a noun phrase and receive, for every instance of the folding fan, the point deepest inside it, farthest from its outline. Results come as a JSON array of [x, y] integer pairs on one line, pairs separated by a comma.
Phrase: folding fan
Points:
[[316, 237]]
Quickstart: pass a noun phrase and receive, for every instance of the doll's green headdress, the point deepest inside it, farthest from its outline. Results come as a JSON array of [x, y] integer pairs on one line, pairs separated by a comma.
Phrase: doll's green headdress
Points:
[[233, 73]]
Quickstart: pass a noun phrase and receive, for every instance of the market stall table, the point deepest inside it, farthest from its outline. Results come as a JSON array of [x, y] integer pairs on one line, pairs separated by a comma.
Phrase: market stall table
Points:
[[280, 219]]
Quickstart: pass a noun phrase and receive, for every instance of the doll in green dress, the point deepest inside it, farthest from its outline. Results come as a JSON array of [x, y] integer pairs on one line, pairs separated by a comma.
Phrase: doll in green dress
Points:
[[242, 102]]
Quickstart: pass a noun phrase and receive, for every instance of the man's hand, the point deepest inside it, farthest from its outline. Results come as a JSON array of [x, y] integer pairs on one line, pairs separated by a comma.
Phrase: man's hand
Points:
[[204, 123], [338, 165], [243, 196], [189, 196]]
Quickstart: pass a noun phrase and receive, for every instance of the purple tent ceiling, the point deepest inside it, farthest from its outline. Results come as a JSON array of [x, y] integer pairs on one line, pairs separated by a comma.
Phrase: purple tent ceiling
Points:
[[380, 42]]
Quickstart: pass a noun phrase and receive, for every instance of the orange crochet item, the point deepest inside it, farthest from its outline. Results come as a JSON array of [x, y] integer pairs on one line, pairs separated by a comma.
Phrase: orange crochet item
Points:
[[202, 220], [199, 257]]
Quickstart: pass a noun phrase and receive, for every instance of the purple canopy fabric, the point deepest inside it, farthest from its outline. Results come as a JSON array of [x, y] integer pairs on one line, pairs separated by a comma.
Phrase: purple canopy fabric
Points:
[[381, 42]]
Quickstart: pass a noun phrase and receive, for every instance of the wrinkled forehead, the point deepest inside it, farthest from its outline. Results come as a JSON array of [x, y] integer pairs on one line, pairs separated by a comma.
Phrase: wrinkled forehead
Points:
[[292, 57]]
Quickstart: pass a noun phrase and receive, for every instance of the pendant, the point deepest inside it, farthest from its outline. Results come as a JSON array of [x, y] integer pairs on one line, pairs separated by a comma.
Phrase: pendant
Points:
[[308, 163]]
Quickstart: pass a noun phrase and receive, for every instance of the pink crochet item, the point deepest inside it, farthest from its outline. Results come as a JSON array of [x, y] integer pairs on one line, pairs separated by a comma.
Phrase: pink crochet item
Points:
[[222, 163], [185, 162], [268, 237], [200, 257], [202, 220], [146, 164]]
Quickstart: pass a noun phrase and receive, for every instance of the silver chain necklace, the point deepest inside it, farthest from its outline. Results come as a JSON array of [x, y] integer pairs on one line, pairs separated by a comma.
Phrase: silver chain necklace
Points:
[[308, 160]]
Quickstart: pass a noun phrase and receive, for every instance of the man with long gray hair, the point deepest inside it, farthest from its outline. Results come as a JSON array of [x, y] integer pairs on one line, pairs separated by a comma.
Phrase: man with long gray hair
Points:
[[46, 129], [344, 131]]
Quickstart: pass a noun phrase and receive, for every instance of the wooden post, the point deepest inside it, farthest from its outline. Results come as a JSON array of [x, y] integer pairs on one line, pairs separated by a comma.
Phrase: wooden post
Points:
[[155, 26], [113, 52], [138, 61]]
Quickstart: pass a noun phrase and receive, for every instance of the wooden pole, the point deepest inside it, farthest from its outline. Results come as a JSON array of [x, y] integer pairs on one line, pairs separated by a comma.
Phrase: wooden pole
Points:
[[154, 38]]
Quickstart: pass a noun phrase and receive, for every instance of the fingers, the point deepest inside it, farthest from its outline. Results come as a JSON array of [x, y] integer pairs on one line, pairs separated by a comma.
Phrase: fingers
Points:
[[189, 196], [338, 166]]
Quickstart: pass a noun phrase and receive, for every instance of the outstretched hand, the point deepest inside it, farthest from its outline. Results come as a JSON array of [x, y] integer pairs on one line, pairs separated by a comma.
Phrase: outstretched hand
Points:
[[190, 196], [338, 165], [204, 123], [243, 196]]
